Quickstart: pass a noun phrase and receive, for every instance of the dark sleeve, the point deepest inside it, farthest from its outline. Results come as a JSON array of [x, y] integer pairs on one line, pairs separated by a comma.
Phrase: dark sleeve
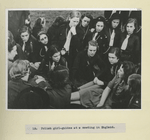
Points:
[[103, 68], [136, 51], [76, 66]]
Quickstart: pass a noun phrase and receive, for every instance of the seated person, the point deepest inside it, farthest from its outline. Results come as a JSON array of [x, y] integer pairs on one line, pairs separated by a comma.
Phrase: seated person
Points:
[[58, 87], [97, 96], [12, 52], [32, 98], [88, 65], [113, 63], [19, 74]]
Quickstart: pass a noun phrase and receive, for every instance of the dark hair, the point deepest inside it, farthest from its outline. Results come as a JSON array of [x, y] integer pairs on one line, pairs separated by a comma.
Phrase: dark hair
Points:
[[38, 23], [113, 17], [24, 29], [116, 51], [32, 98], [134, 82], [132, 20], [59, 77], [41, 33], [87, 15], [53, 49], [129, 68], [58, 21], [100, 19]]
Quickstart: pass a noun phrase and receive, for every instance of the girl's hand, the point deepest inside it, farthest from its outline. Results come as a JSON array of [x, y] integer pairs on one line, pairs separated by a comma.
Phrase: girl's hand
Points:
[[99, 82], [73, 30], [95, 80], [92, 30], [63, 52], [53, 66], [37, 64], [99, 105]]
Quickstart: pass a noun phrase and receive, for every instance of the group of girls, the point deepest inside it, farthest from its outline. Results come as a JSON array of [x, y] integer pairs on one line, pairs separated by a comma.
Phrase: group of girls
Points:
[[45, 60]]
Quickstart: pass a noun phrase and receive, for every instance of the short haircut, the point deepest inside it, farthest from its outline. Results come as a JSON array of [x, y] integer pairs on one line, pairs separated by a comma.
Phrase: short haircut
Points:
[[11, 44], [19, 69], [115, 51]]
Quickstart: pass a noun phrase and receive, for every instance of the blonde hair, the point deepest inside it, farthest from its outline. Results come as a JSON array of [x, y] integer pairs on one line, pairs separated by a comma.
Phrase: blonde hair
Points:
[[74, 14], [19, 69]]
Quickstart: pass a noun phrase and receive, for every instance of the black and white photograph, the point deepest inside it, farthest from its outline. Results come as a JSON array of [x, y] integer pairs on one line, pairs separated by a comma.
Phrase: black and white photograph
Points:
[[73, 59]]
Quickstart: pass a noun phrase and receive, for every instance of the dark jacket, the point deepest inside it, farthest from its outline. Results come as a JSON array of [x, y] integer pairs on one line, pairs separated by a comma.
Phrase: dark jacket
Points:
[[133, 48], [30, 52], [14, 88], [101, 39], [88, 68]]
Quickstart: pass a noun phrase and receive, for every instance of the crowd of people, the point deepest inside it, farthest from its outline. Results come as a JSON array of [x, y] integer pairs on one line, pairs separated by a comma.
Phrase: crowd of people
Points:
[[79, 63]]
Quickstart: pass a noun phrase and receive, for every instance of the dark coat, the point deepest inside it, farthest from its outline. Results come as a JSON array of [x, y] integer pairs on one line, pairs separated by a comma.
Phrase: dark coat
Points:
[[30, 52], [133, 48], [14, 88], [117, 37], [16, 19], [102, 41], [86, 68]]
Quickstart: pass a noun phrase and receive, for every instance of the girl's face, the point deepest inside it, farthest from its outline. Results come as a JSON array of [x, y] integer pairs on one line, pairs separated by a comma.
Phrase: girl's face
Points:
[[121, 71], [56, 57], [25, 36], [112, 58], [74, 21], [130, 28], [43, 39], [85, 21], [99, 26], [115, 23], [13, 53], [91, 51]]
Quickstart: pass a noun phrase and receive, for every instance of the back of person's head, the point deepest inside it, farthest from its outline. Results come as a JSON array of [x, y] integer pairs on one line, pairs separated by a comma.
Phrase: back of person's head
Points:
[[129, 68], [134, 82], [53, 49], [11, 44], [39, 22], [115, 51], [58, 21], [32, 98], [19, 69], [59, 77], [10, 36]]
